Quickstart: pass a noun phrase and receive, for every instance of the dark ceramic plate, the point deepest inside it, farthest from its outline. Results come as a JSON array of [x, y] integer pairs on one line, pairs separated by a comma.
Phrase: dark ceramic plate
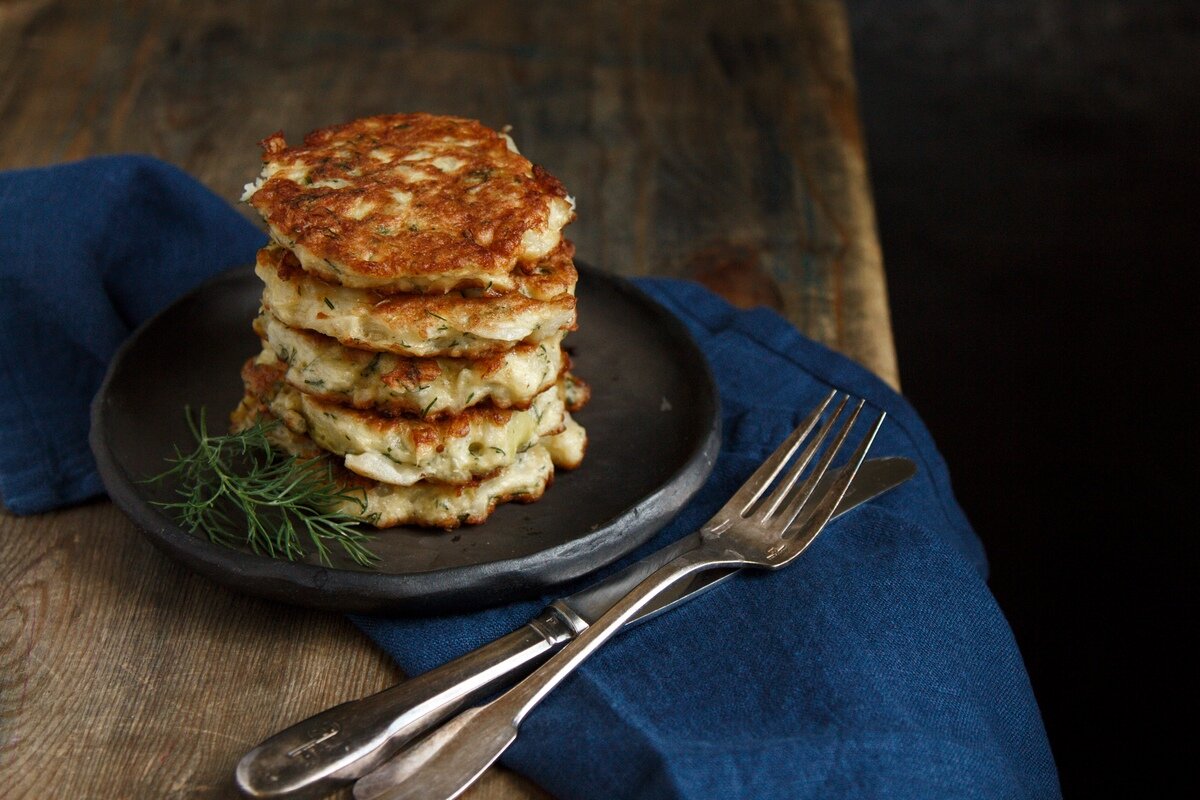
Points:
[[653, 430]]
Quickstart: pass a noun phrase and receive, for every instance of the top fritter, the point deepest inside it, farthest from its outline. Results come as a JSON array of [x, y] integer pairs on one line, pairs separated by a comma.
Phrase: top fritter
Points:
[[409, 203]]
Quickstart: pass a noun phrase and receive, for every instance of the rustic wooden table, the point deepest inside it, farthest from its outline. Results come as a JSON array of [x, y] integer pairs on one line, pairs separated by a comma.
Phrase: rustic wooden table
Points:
[[710, 141]]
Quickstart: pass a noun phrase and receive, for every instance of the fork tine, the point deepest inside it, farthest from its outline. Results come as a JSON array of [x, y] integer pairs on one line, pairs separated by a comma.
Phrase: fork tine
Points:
[[801, 497], [780, 494], [820, 515], [761, 480]]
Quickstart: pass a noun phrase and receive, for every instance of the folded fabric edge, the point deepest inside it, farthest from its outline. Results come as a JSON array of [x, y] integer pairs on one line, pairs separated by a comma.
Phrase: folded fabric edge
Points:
[[34, 489], [773, 332]]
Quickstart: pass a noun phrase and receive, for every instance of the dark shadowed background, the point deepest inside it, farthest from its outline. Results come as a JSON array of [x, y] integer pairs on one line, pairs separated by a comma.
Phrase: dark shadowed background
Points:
[[1035, 167]]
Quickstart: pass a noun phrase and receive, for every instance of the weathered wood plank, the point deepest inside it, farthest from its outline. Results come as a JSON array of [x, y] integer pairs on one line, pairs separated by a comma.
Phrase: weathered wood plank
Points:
[[711, 141], [122, 674], [680, 127]]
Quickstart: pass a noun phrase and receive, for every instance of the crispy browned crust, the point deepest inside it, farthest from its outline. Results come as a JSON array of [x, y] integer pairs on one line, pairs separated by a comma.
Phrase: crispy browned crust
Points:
[[251, 410], [467, 222], [263, 381], [577, 392], [548, 278], [408, 373], [420, 325]]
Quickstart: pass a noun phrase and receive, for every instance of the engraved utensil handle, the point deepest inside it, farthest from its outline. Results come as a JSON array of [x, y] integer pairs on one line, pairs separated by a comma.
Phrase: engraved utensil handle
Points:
[[447, 761], [311, 758], [345, 742]]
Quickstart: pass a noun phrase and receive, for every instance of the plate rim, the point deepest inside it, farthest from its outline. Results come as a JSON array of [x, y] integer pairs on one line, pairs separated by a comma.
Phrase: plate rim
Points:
[[330, 587]]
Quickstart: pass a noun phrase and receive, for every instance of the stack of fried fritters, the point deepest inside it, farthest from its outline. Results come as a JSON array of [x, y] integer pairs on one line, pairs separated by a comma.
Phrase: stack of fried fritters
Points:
[[418, 289]]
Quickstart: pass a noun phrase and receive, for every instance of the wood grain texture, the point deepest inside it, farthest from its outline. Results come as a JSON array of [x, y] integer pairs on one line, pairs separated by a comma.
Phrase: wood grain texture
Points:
[[716, 141], [122, 674], [679, 126]]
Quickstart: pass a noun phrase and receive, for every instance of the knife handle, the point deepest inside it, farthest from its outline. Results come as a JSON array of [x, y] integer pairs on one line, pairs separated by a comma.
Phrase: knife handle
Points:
[[345, 742]]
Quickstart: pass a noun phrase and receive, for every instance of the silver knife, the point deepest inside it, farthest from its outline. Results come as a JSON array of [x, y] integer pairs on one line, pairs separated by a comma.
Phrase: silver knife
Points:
[[348, 741]]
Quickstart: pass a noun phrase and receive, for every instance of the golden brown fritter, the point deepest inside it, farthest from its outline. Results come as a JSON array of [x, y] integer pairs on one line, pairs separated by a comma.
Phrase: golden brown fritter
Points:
[[545, 279], [409, 202], [405, 450], [451, 324], [392, 384], [434, 505]]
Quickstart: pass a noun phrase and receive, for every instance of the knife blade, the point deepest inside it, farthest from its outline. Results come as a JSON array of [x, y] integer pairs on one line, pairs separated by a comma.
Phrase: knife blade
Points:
[[350, 740], [875, 477]]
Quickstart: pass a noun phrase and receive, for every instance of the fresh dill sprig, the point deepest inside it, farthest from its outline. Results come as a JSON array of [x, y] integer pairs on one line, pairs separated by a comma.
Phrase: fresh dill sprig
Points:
[[238, 489]]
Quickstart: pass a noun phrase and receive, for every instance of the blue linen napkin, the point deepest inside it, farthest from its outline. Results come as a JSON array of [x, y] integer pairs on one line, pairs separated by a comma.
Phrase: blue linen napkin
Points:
[[877, 666], [89, 251]]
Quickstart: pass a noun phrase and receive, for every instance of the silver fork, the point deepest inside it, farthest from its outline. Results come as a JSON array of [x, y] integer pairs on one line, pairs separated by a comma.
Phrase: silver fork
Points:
[[753, 529]]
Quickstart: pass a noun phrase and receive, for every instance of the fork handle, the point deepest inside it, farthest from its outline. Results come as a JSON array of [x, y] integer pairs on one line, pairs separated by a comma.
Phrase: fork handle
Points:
[[332, 748], [522, 698], [450, 759]]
